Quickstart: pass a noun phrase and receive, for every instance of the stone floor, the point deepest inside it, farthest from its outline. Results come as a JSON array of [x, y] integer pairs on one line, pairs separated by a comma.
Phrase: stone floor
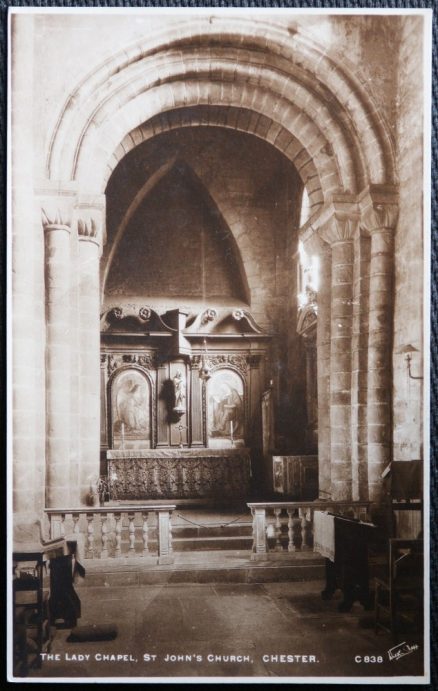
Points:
[[226, 631]]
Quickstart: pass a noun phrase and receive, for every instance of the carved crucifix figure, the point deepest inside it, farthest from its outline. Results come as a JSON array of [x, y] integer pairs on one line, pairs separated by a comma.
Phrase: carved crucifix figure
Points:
[[180, 390]]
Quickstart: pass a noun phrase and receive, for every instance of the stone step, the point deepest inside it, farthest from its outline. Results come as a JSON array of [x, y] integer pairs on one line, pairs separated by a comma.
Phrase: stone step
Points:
[[182, 544], [231, 566], [233, 530]]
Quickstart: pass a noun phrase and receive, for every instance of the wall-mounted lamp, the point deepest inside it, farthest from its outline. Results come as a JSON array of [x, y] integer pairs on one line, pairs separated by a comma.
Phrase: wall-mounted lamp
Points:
[[407, 351], [204, 365]]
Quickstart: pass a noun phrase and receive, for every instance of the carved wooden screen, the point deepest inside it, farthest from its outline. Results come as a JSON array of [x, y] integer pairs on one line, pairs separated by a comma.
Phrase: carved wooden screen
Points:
[[226, 409], [131, 410]]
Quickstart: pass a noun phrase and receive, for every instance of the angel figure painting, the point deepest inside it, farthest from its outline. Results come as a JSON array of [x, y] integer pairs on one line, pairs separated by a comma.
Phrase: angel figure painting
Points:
[[130, 410], [225, 409]]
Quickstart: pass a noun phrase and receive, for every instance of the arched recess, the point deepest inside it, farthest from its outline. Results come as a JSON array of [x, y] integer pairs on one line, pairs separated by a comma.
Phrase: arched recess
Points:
[[267, 69], [179, 167]]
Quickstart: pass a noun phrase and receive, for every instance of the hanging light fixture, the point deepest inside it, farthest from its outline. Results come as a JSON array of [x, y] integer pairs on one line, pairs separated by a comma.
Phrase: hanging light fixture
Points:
[[204, 365]]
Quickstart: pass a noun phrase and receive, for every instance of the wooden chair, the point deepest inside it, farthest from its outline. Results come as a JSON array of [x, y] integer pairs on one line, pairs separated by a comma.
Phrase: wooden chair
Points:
[[399, 597]]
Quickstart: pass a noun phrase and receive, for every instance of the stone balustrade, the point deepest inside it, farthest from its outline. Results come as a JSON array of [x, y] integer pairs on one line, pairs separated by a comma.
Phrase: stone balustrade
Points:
[[281, 528], [118, 532]]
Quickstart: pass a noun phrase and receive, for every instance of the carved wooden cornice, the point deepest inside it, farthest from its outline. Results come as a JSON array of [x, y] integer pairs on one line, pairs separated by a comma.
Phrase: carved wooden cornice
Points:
[[115, 361], [239, 362]]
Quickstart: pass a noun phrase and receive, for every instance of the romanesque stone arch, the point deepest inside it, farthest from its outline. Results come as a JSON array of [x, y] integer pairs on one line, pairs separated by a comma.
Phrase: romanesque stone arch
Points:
[[274, 82], [293, 82]]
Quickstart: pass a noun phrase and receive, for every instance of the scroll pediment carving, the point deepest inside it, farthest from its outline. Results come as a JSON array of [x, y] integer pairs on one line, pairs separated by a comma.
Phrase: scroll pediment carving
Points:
[[222, 321], [126, 317]]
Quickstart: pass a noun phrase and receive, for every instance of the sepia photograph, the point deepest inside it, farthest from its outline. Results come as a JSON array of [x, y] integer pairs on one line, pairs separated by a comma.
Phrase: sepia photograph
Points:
[[218, 297]]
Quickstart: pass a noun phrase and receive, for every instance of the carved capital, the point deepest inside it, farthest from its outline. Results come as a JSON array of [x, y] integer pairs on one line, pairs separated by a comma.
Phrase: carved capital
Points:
[[379, 208], [87, 229], [338, 221], [342, 226], [54, 218], [89, 214], [55, 205]]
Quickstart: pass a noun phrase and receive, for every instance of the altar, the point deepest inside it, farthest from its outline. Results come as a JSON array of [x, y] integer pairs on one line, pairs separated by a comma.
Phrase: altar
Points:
[[176, 473]]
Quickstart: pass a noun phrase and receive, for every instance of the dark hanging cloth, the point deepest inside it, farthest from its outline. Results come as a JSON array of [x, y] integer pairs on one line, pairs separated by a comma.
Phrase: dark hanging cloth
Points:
[[64, 602], [406, 479], [349, 571]]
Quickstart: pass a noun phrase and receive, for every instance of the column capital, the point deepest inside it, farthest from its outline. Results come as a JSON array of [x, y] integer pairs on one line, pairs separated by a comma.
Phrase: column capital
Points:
[[338, 220], [89, 218], [87, 230], [55, 203], [54, 221], [379, 208]]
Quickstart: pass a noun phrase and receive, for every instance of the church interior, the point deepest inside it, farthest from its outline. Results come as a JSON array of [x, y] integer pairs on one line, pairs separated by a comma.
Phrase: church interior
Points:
[[217, 346]]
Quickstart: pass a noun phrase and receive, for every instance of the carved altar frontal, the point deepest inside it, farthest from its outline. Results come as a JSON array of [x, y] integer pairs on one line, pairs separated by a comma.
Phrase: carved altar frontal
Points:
[[179, 473]]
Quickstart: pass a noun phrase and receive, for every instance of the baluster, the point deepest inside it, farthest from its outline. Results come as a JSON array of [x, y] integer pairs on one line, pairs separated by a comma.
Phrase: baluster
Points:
[[278, 546], [62, 526], [55, 526], [170, 533], [290, 530], [131, 517], [304, 524], [259, 530], [90, 534], [118, 519], [104, 528], [312, 527], [164, 551], [145, 533], [75, 517]]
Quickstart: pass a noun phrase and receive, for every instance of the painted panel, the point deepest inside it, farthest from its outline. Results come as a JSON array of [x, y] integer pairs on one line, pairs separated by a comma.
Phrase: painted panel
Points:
[[131, 411], [226, 411]]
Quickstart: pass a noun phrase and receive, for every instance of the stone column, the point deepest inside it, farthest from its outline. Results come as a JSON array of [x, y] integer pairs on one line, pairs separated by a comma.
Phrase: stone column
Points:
[[311, 392], [314, 245], [89, 223], [379, 216], [339, 230], [323, 331], [359, 374], [58, 334]]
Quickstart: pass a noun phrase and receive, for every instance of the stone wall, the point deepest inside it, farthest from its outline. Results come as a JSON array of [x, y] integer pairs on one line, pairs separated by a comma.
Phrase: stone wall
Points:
[[409, 264]]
